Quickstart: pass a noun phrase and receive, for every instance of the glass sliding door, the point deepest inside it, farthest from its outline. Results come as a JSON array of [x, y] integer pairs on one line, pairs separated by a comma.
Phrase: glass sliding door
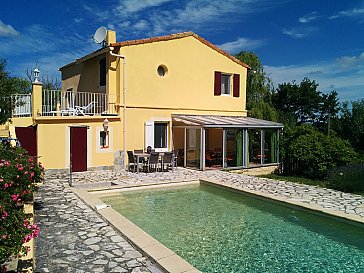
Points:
[[270, 146], [179, 145], [213, 148], [254, 144], [235, 152], [193, 148]]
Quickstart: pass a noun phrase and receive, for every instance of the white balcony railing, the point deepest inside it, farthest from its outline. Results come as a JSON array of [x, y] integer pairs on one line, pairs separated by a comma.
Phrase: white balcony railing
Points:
[[21, 104], [77, 103], [56, 103]]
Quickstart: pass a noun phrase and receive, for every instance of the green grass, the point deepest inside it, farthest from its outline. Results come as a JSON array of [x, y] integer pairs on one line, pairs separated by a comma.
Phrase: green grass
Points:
[[319, 183], [295, 179]]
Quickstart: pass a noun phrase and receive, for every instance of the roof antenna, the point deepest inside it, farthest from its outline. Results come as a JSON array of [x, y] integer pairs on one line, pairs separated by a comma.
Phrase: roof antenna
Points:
[[100, 36]]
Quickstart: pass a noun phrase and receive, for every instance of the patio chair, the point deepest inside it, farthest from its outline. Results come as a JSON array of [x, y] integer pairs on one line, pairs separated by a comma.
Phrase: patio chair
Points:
[[175, 159], [83, 110], [132, 161], [209, 158], [153, 161], [167, 161], [140, 151]]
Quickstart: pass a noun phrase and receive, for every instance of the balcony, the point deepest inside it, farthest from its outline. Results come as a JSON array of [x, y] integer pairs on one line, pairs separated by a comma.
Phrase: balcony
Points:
[[69, 103]]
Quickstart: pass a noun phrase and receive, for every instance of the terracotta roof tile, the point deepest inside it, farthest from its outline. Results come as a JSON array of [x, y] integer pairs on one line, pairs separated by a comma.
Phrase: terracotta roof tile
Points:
[[179, 36]]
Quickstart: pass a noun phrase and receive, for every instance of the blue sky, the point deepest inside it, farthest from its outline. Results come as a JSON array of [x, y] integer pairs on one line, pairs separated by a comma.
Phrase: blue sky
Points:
[[319, 39]]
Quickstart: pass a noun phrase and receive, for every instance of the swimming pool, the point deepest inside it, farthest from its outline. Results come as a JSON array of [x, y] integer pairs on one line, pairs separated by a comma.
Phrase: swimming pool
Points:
[[217, 230]]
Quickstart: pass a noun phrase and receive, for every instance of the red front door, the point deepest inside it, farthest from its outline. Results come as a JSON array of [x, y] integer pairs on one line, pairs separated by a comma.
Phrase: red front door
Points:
[[28, 138], [79, 149]]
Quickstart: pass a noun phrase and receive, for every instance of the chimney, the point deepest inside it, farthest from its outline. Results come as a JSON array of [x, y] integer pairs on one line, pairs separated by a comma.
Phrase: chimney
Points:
[[110, 37]]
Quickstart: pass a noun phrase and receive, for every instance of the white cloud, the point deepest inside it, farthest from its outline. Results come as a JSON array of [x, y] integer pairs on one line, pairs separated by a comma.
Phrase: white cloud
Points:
[[151, 18], [78, 20], [351, 62], [39, 45], [7, 30], [37, 39], [132, 6], [349, 13], [198, 13], [241, 44], [141, 25], [100, 15], [329, 75], [34, 39], [309, 17], [294, 33]]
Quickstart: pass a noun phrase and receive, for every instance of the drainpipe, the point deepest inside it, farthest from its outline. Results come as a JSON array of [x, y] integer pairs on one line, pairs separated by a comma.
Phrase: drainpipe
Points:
[[124, 100]]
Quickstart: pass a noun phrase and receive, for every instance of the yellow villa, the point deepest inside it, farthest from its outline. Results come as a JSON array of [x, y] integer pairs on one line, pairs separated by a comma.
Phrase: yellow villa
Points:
[[173, 93]]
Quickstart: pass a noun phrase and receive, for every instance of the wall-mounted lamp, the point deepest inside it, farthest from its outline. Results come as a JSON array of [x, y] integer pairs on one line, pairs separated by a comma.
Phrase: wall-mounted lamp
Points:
[[105, 124]]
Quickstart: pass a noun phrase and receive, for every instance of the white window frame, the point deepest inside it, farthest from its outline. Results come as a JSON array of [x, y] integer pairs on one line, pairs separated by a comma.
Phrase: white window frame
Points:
[[149, 133], [109, 140]]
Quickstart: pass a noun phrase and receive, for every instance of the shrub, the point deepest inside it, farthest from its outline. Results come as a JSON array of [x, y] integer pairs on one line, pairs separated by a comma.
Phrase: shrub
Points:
[[348, 178], [18, 175], [309, 153]]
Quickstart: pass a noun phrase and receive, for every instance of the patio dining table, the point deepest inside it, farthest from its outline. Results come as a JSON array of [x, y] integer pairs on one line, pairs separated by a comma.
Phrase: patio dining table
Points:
[[145, 155], [139, 156]]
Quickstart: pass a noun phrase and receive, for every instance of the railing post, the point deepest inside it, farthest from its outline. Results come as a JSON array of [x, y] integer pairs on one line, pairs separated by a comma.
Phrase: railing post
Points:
[[58, 108], [36, 99]]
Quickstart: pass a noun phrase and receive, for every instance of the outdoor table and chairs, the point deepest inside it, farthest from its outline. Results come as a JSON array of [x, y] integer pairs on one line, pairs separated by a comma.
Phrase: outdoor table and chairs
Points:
[[158, 161]]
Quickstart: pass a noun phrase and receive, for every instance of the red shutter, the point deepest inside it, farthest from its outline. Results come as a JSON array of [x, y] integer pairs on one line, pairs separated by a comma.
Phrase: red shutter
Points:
[[217, 85], [236, 85]]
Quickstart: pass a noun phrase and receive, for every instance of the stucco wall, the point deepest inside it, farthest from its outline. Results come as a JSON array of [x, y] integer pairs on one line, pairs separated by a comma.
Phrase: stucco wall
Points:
[[83, 77], [189, 82], [54, 141]]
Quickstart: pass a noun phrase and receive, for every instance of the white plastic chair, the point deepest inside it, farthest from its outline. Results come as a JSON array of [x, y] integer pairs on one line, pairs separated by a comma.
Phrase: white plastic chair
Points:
[[83, 110]]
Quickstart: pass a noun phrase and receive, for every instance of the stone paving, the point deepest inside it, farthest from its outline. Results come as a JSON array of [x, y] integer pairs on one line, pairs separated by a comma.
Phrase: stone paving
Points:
[[74, 238]]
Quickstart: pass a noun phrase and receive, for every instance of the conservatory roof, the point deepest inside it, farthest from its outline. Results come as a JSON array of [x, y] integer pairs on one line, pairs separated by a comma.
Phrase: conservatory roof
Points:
[[212, 121]]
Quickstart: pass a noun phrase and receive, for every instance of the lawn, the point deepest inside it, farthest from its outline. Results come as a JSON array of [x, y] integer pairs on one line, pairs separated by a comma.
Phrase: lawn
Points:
[[295, 179], [321, 183]]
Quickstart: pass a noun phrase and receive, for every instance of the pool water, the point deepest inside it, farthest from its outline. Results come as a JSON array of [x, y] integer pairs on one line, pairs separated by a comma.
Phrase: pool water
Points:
[[217, 230]]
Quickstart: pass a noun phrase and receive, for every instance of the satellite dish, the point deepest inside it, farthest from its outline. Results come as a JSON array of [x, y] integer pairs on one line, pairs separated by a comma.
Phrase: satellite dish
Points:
[[100, 36]]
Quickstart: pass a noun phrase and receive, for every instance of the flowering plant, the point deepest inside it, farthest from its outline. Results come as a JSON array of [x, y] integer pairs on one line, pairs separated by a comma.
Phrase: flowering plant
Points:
[[19, 173]]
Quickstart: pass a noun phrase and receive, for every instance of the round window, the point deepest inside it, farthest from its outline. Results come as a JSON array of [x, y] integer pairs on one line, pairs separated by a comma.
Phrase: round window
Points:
[[162, 70]]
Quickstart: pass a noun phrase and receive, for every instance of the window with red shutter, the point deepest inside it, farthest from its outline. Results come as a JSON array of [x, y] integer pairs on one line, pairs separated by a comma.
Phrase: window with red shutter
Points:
[[236, 85], [217, 84]]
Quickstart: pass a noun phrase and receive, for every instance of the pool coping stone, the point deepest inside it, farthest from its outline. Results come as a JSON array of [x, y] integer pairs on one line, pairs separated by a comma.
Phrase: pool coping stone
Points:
[[313, 208]]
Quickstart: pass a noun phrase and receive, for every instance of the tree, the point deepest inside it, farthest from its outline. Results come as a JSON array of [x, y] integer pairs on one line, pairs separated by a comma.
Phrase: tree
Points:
[[329, 109], [259, 86], [304, 104], [350, 124], [309, 153], [299, 101], [8, 86]]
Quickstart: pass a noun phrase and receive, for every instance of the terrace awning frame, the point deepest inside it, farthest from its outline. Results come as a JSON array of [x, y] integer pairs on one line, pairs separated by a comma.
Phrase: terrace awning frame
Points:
[[224, 122], [215, 121]]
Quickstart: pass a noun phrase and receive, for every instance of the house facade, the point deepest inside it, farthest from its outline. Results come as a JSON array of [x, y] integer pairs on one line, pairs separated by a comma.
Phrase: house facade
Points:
[[177, 92]]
